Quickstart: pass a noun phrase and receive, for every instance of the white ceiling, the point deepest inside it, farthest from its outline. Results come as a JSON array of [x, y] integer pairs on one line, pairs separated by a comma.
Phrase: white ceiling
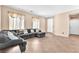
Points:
[[45, 10]]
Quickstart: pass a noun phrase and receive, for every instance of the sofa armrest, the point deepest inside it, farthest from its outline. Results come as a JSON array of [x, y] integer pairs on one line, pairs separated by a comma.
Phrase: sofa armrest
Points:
[[22, 46], [10, 43]]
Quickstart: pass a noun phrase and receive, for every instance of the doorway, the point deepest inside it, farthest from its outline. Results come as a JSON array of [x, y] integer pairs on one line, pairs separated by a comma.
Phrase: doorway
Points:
[[50, 26], [74, 25]]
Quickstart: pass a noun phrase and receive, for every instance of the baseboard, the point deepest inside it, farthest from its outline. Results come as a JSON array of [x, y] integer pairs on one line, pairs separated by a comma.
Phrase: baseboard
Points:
[[49, 32], [74, 34], [61, 35]]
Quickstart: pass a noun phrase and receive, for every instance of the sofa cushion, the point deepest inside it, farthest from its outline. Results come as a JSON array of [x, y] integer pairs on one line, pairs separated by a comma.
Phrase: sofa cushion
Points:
[[29, 30], [12, 36]]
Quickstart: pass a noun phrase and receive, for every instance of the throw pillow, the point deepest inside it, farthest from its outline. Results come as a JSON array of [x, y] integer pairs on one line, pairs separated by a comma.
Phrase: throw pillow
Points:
[[32, 31], [11, 36]]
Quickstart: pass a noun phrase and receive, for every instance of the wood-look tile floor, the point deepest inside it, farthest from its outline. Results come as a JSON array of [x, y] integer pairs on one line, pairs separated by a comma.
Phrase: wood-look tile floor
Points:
[[49, 44]]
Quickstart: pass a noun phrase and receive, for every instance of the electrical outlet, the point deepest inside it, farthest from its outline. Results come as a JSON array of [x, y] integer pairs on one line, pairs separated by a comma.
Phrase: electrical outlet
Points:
[[63, 32]]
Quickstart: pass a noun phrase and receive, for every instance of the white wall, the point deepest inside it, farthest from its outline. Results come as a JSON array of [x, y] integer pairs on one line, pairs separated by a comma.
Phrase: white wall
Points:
[[74, 26], [50, 25]]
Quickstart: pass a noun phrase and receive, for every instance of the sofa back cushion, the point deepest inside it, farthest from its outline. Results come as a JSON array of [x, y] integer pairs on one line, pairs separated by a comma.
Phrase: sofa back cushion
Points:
[[37, 30], [34, 30], [29, 30], [25, 31], [12, 36]]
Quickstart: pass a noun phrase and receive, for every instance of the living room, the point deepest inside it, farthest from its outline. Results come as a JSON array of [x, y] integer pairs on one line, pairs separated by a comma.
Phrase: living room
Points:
[[43, 29]]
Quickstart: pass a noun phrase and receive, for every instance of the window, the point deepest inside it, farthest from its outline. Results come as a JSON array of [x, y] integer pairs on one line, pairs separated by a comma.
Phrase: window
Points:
[[36, 23], [16, 21]]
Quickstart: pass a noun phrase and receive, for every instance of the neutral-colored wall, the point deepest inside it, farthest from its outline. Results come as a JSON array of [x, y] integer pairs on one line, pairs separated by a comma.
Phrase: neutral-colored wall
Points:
[[43, 24], [5, 21], [0, 17], [4, 18], [61, 24], [27, 21]]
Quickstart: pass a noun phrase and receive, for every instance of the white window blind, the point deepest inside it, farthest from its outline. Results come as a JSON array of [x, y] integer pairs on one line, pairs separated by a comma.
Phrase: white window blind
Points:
[[16, 22], [36, 23]]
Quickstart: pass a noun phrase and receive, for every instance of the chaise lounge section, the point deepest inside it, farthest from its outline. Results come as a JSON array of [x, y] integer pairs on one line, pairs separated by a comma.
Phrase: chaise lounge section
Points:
[[30, 33]]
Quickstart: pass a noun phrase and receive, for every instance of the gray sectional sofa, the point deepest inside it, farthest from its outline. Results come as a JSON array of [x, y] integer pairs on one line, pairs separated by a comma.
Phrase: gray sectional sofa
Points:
[[9, 38]]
